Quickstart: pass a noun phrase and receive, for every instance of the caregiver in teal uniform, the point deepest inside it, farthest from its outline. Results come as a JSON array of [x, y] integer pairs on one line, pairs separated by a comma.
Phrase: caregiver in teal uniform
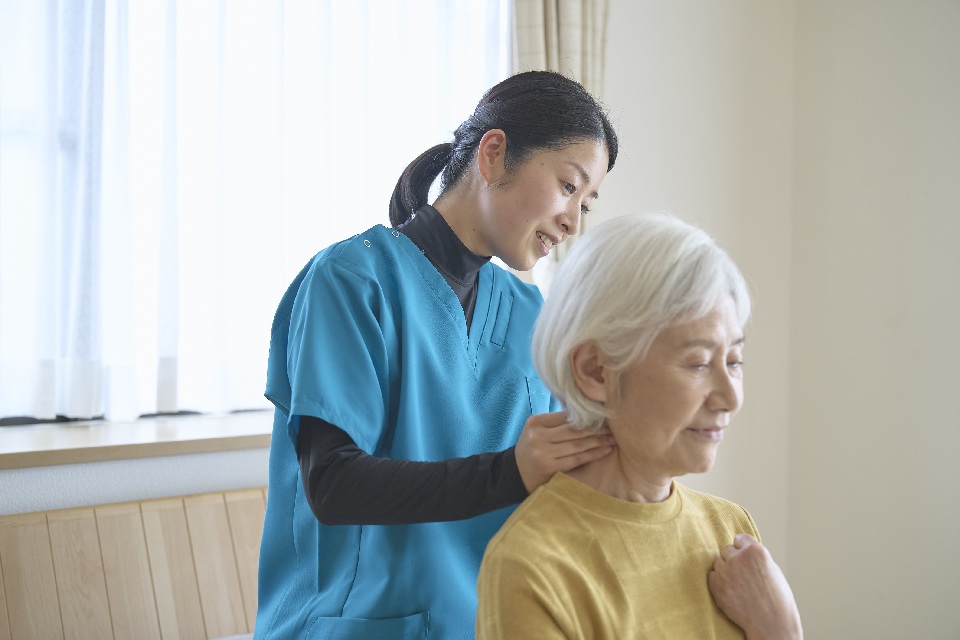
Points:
[[409, 419]]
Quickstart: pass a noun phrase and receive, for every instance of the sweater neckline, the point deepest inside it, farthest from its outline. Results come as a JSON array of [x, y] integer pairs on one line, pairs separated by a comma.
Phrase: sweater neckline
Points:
[[607, 506]]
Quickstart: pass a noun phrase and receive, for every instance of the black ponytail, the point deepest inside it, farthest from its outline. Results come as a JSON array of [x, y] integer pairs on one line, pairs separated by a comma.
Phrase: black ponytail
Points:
[[413, 187], [536, 110]]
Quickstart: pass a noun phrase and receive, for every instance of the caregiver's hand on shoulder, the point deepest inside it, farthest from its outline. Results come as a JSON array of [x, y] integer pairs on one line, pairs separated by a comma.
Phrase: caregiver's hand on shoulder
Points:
[[752, 591], [548, 444]]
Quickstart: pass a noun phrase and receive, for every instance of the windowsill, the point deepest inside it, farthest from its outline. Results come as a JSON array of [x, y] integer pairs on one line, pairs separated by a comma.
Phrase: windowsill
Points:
[[54, 444]]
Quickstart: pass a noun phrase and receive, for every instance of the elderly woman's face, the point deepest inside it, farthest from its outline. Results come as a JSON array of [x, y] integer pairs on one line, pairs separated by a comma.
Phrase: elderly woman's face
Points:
[[672, 407]]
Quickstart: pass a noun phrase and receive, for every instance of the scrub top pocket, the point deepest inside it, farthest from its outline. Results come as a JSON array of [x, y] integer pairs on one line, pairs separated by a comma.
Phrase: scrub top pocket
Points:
[[412, 627]]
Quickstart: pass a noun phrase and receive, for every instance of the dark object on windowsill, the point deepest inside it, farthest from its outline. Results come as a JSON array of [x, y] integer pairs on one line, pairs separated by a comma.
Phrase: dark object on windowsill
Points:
[[16, 421], [26, 420]]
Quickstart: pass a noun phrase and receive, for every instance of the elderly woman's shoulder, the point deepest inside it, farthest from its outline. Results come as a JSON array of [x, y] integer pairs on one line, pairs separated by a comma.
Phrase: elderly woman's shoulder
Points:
[[699, 504], [545, 514]]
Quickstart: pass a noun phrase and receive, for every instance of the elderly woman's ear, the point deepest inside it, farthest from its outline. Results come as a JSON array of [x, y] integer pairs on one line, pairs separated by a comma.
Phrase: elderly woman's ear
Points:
[[591, 371]]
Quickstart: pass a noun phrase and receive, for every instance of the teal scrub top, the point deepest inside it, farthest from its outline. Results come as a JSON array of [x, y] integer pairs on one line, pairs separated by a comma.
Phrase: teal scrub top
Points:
[[369, 337]]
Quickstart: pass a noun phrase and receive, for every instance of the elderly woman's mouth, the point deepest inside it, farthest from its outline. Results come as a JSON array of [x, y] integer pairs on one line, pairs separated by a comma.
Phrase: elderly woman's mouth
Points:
[[710, 433]]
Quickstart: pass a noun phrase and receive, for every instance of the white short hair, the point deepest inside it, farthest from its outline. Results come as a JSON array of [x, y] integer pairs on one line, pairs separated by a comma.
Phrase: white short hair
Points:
[[621, 284]]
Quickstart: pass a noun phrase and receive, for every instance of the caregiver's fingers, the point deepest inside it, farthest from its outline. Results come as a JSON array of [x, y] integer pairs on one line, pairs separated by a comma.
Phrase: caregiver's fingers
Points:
[[548, 444]]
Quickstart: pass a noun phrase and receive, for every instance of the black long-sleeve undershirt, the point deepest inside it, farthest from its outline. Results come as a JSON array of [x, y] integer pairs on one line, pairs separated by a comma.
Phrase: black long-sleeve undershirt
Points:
[[345, 485]]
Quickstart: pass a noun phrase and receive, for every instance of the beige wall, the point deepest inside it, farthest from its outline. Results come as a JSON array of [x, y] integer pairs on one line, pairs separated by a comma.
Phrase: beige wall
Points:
[[819, 140], [702, 96]]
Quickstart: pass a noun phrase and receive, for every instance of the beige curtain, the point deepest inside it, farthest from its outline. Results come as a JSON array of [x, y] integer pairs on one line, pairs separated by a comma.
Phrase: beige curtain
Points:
[[567, 36]]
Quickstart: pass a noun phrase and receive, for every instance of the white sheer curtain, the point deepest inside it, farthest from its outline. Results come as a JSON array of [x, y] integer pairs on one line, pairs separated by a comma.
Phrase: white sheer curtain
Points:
[[167, 167]]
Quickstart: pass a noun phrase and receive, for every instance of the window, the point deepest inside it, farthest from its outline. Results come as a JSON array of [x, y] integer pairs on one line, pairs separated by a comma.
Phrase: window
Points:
[[166, 168]]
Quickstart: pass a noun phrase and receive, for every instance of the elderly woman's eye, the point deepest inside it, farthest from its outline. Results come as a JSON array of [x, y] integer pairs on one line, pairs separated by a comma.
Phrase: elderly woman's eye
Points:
[[735, 364]]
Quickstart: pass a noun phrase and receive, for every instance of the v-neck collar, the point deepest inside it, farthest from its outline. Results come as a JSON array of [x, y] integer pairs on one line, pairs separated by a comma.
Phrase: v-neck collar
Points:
[[486, 283], [455, 262]]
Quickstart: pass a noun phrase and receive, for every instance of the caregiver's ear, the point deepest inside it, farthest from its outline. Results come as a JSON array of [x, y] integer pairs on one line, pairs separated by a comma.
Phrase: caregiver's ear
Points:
[[591, 371]]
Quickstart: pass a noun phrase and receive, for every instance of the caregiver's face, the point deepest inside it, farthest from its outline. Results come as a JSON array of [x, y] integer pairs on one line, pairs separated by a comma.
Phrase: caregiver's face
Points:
[[672, 407]]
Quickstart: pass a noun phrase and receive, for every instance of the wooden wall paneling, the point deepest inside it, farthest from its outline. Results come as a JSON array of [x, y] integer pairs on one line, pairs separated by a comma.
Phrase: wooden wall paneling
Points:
[[75, 544], [172, 566], [30, 584], [4, 619], [245, 509], [216, 564], [127, 570]]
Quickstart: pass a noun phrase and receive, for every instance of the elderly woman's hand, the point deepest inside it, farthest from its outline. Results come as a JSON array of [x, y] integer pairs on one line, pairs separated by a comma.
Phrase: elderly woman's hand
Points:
[[548, 444], [751, 590]]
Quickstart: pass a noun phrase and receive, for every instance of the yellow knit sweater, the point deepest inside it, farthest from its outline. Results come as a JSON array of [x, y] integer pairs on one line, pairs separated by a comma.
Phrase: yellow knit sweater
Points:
[[575, 563]]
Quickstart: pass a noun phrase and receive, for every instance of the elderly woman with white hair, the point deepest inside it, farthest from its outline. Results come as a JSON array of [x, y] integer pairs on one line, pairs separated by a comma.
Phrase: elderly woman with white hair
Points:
[[642, 336]]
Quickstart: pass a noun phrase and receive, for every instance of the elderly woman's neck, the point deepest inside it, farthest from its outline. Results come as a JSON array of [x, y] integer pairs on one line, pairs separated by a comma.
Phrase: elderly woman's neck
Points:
[[616, 476]]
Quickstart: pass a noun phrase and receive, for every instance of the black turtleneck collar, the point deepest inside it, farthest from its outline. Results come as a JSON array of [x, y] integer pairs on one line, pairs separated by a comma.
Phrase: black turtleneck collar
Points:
[[457, 264]]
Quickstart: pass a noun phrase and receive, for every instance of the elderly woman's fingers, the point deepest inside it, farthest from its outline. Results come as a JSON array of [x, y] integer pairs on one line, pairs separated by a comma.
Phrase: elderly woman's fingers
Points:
[[741, 540], [751, 590]]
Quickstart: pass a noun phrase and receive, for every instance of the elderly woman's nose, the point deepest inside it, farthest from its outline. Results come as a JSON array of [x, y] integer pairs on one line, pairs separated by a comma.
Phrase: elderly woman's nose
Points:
[[726, 394]]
